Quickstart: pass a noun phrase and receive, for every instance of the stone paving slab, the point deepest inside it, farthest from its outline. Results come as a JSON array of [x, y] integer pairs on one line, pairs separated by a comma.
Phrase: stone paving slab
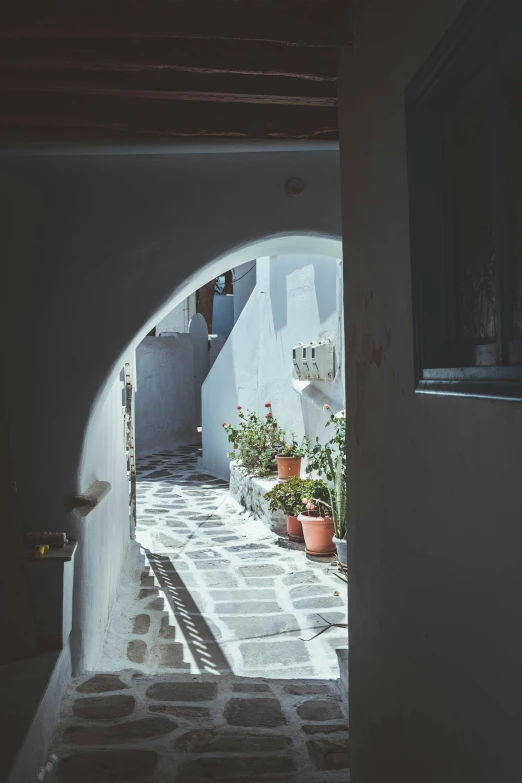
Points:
[[212, 581], [186, 729]]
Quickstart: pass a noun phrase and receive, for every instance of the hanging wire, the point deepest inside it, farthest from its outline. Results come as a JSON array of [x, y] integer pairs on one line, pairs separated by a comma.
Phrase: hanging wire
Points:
[[235, 280]]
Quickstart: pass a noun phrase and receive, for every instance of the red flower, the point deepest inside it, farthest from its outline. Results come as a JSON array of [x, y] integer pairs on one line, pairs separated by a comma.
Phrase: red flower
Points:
[[268, 404], [269, 416], [239, 407], [224, 424]]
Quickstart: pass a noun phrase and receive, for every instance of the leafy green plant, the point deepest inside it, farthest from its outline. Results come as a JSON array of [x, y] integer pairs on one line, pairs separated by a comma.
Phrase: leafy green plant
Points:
[[291, 447], [329, 460], [338, 498], [322, 457], [256, 441], [289, 496]]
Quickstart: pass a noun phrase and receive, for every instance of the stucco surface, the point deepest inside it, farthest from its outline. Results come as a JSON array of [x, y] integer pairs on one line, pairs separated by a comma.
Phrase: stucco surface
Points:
[[165, 400], [103, 535], [109, 243], [244, 283], [297, 298], [98, 245], [433, 482], [223, 315]]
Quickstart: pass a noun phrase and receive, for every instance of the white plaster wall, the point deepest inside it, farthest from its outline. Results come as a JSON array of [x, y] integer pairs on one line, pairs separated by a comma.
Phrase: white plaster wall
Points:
[[103, 535], [434, 533], [244, 277], [108, 240], [228, 379], [223, 314], [200, 346], [216, 343], [179, 317], [175, 321], [296, 299], [165, 406]]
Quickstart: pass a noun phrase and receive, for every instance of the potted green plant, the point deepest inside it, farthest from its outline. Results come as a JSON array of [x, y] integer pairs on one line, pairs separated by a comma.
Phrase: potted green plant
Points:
[[289, 454], [318, 530], [256, 440], [338, 508], [288, 497], [329, 460]]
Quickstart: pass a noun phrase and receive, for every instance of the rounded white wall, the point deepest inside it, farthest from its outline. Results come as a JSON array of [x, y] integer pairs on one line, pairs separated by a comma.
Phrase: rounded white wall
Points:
[[298, 298], [99, 245], [244, 278]]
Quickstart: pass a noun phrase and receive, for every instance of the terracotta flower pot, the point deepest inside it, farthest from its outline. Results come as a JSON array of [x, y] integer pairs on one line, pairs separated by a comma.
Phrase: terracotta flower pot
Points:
[[288, 466], [318, 534], [294, 529]]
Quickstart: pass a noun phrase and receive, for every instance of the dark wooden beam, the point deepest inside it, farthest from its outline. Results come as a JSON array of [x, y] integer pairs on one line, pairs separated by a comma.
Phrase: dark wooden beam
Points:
[[205, 302], [293, 22], [217, 88], [73, 117], [191, 97], [228, 288], [164, 54]]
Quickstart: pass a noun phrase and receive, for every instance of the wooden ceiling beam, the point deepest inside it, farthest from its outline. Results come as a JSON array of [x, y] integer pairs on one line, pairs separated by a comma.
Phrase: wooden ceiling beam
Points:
[[217, 88], [191, 97], [163, 55], [38, 116], [316, 23]]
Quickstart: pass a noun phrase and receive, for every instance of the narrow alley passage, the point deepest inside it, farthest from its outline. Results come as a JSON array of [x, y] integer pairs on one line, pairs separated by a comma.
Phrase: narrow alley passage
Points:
[[209, 588], [209, 670]]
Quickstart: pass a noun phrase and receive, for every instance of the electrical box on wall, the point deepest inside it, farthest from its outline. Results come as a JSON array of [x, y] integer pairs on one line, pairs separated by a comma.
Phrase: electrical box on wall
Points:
[[314, 361]]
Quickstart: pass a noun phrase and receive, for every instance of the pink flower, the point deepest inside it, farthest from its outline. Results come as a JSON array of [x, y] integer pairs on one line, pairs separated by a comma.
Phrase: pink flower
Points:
[[268, 404], [326, 407], [305, 501], [239, 407]]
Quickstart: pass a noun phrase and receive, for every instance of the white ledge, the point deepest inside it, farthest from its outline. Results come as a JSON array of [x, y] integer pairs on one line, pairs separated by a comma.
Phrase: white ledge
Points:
[[83, 504], [315, 396], [249, 491]]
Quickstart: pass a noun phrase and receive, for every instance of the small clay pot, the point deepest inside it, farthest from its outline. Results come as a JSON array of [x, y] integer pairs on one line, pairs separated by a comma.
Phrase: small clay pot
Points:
[[288, 466], [294, 529], [318, 534]]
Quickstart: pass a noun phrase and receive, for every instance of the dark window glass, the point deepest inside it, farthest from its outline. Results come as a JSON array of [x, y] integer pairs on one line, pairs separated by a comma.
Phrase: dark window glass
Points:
[[465, 165], [513, 117], [470, 140]]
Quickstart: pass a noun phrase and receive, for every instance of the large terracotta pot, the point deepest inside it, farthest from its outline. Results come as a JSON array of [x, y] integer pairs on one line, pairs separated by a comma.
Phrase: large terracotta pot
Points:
[[294, 529], [288, 466], [318, 534]]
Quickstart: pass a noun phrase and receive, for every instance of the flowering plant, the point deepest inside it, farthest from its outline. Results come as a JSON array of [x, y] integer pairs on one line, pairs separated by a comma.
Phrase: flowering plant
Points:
[[291, 447], [315, 507], [329, 459], [256, 440], [287, 496]]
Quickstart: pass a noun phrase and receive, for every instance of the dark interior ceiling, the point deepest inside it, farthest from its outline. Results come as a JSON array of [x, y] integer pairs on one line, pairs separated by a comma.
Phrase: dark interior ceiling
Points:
[[152, 69]]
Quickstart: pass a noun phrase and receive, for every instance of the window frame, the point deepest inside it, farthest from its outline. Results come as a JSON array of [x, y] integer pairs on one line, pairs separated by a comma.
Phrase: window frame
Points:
[[486, 36]]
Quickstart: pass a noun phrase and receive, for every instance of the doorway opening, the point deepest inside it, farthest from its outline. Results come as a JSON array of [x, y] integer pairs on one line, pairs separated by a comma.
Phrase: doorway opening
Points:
[[225, 633]]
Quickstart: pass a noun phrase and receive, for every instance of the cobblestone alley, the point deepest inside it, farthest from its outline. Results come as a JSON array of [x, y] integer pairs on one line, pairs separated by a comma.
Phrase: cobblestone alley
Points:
[[209, 670]]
